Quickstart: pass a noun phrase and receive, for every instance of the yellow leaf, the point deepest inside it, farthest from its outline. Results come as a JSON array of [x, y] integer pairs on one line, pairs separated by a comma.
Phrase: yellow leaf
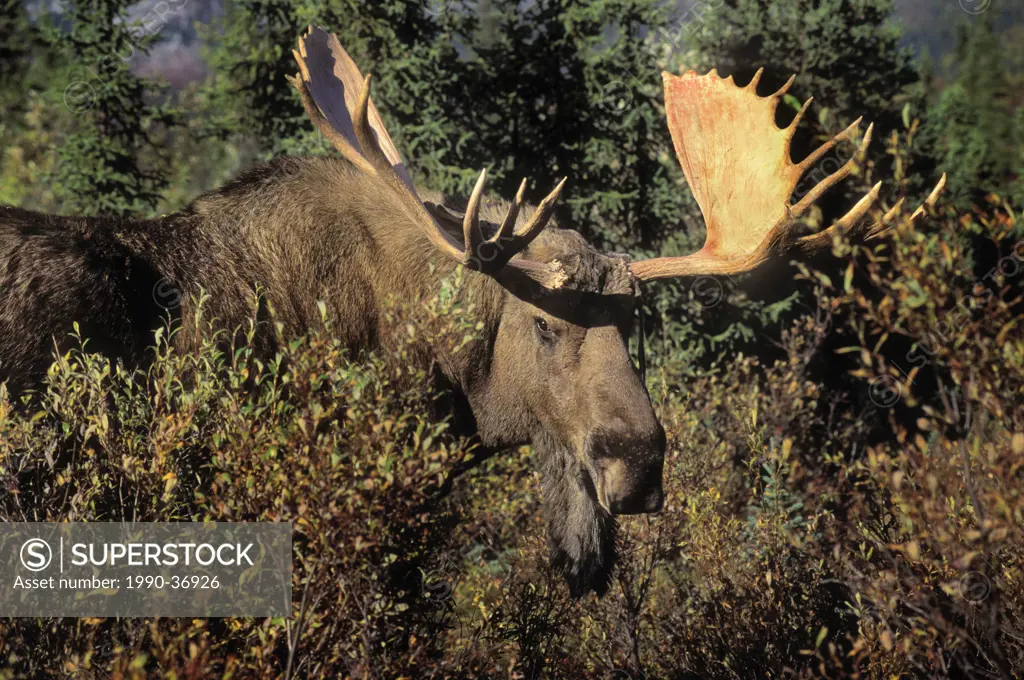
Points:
[[1017, 443]]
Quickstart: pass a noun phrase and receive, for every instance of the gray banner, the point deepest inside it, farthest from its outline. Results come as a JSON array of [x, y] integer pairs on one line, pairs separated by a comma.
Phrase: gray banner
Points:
[[195, 569]]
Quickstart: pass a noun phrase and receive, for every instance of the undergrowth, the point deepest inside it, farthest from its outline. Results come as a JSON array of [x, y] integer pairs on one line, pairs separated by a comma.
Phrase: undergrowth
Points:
[[852, 509]]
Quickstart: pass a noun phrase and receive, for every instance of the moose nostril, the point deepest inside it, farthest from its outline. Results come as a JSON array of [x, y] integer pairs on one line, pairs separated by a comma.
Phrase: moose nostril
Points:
[[639, 503], [627, 484], [634, 500], [628, 506]]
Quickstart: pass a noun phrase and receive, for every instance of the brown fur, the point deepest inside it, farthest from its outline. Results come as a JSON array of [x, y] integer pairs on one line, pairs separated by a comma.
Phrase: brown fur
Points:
[[316, 229]]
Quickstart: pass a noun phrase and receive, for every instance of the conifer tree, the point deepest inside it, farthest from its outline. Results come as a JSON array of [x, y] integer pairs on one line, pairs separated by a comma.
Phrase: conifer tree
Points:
[[29, 124], [101, 168], [557, 89], [972, 123], [25, 64], [845, 53], [14, 48]]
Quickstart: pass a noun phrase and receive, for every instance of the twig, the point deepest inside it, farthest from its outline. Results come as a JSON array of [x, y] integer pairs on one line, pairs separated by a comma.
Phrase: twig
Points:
[[293, 643]]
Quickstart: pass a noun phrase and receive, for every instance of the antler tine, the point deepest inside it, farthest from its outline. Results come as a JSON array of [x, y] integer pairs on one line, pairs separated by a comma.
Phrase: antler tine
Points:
[[824, 185], [815, 155], [892, 212], [491, 255], [823, 238], [799, 116], [472, 236], [785, 87], [540, 218], [859, 210], [752, 85], [507, 243], [364, 133], [932, 198], [338, 141], [508, 225], [885, 224]]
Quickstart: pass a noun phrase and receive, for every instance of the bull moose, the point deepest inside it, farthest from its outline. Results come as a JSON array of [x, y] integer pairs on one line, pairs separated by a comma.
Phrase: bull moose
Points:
[[552, 366]]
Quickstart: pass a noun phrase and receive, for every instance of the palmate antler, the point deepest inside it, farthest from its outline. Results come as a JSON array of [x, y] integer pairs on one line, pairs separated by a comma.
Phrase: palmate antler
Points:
[[336, 97], [738, 166]]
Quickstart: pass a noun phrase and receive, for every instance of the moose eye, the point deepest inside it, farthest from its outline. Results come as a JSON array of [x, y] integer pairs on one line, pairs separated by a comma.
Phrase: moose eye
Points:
[[544, 329]]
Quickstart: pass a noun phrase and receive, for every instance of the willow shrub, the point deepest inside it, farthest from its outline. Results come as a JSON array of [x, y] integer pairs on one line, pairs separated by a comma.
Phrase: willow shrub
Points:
[[850, 510], [346, 451]]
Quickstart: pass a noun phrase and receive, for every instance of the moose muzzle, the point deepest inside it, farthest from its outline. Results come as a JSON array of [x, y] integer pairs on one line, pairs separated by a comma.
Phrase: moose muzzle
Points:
[[627, 472]]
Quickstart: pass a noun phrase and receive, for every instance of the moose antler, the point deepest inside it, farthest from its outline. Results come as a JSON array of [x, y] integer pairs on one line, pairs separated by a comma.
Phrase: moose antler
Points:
[[737, 164], [336, 98]]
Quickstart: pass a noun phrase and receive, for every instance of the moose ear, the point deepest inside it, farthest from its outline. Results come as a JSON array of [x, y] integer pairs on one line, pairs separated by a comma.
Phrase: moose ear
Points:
[[449, 219]]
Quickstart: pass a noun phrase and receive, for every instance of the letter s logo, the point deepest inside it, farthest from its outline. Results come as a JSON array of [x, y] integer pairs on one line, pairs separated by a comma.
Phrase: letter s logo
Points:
[[36, 554]]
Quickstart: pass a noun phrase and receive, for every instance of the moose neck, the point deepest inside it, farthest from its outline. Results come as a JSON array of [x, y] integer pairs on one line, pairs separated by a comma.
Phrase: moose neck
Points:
[[413, 283], [312, 229], [447, 304]]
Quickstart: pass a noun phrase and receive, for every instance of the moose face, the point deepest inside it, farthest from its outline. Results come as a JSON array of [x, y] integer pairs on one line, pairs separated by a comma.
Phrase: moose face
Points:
[[562, 364], [582, 383]]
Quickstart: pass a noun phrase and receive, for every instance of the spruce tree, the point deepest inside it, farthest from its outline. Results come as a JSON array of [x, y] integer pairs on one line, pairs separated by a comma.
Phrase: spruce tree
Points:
[[559, 89], [101, 168], [25, 65], [845, 53], [972, 123], [14, 49], [30, 125]]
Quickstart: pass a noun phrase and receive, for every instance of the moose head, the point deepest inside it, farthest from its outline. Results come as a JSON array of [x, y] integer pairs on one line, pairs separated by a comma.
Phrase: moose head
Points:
[[554, 368]]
